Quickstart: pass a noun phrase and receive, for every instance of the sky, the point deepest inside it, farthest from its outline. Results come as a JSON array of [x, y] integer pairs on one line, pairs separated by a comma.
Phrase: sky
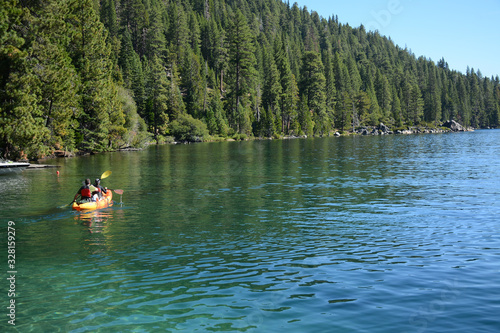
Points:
[[463, 32]]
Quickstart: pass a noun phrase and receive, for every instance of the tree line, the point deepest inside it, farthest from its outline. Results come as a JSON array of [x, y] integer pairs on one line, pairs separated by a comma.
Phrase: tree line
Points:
[[94, 75]]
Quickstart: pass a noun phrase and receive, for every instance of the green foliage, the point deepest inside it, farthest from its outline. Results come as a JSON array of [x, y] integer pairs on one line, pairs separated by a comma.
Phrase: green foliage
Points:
[[89, 75], [241, 73], [136, 134], [158, 99], [313, 88], [215, 119], [186, 128]]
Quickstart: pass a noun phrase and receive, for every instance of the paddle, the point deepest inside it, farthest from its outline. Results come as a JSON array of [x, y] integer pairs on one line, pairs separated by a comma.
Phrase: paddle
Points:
[[106, 174], [117, 191]]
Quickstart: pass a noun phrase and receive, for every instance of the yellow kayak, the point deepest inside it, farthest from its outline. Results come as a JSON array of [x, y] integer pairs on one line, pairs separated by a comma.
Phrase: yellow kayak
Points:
[[105, 201]]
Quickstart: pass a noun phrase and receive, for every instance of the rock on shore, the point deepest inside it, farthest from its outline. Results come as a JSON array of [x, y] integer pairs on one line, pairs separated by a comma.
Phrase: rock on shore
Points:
[[382, 129], [454, 126]]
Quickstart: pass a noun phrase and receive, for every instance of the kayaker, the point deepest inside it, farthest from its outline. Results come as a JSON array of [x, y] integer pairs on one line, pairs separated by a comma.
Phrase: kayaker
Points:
[[84, 192], [100, 189]]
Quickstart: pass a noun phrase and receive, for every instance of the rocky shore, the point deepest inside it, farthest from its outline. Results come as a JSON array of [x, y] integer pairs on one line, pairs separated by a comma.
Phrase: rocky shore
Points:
[[447, 126]]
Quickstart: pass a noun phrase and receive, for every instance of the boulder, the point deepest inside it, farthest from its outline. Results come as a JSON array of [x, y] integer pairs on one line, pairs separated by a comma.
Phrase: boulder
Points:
[[384, 129], [453, 125]]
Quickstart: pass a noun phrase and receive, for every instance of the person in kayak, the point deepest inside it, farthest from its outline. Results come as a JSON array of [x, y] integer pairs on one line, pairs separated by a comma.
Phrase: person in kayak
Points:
[[99, 189], [84, 192]]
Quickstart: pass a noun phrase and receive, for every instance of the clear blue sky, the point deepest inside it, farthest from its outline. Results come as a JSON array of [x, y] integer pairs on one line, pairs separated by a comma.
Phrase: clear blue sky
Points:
[[464, 32]]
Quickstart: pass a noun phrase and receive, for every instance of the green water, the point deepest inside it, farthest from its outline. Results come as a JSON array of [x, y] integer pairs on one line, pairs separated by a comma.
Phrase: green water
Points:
[[351, 234]]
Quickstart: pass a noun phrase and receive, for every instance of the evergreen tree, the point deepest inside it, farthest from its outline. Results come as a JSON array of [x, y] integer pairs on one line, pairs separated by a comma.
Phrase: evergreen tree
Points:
[[289, 98], [135, 17], [416, 105], [241, 75], [194, 34], [305, 117], [178, 32], [57, 78], [313, 87], [330, 89], [344, 110], [396, 110], [109, 17], [384, 96], [216, 121], [156, 41], [432, 101], [92, 60], [193, 84], [272, 91], [11, 60], [158, 104], [133, 75], [176, 105]]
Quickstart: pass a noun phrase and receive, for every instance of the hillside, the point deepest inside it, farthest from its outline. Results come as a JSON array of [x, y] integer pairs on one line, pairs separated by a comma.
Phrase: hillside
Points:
[[94, 75]]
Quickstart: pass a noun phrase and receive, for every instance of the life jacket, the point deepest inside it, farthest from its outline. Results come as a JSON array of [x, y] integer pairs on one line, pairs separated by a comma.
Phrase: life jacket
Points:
[[85, 192]]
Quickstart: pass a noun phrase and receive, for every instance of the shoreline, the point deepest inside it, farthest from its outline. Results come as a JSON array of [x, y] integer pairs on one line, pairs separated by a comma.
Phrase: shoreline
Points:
[[381, 129]]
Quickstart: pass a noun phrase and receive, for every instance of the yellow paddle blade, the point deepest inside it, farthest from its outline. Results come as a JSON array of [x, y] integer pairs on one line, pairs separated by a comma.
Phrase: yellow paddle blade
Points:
[[106, 174]]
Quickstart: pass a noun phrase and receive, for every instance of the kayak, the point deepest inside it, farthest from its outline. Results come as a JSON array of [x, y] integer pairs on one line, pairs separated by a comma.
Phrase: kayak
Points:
[[105, 201]]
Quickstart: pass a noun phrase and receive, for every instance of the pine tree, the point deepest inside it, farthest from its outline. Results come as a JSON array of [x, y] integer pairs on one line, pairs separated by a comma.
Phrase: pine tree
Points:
[[305, 118], [194, 34], [432, 100], [109, 17], [193, 84], [242, 75], [416, 105], [216, 122], [289, 98], [384, 96], [176, 106], [272, 91], [158, 94], [313, 87], [10, 40], [58, 79], [22, 125], [330, 89], [344, 110], [341, 74], [92, 60], [156, 41], [178, 32], [133, 75], [396, 110], [11, 58], [136, 19]]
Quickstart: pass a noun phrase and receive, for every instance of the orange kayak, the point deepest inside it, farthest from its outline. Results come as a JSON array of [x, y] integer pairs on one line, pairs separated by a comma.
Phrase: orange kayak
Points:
[[105, 201]]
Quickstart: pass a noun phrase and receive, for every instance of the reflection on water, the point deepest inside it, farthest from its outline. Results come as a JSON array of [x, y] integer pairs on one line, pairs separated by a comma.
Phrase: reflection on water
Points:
[[95, 220], [360, 234]]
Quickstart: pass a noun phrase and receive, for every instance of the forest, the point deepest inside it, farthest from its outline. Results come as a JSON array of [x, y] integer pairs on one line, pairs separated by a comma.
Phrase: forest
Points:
[[93, 76]]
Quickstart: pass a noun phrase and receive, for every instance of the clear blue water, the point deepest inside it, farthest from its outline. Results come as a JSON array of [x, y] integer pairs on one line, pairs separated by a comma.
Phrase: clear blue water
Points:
[[350, 234]]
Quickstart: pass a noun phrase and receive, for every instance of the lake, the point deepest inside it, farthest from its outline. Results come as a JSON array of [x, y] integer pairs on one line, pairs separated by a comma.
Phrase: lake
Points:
[[352, 234]]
